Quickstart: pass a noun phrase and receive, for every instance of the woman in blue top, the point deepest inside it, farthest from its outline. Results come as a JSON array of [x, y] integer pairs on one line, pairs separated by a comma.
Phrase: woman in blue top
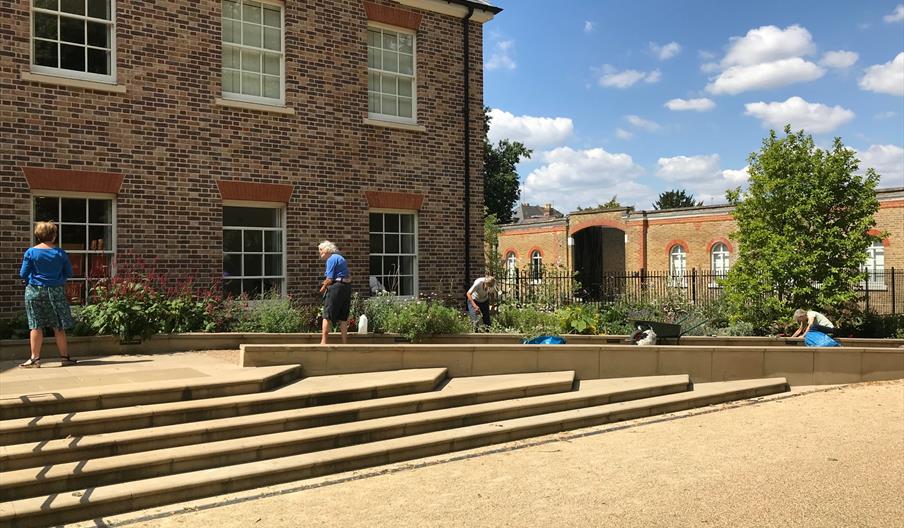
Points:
[[336, 289], [45, 269]]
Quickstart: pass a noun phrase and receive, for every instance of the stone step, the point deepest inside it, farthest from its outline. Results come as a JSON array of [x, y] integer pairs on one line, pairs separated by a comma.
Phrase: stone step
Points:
[[59, 478], [308, 392], [129, 496], [457, 392], [247, 381]]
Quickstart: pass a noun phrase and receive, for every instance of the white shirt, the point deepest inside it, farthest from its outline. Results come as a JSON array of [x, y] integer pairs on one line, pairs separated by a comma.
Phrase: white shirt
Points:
[[479, 291], [819, 319]]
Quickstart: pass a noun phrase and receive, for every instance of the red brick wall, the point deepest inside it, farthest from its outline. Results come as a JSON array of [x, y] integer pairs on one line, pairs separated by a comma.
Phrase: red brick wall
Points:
[[171, 143]]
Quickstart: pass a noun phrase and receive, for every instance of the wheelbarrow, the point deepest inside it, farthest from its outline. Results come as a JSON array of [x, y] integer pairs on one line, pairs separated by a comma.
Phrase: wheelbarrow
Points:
[[666, 330]]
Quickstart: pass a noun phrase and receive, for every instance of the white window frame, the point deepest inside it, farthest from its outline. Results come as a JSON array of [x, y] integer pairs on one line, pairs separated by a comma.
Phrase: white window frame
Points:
[[389, 117], [73, 74], [258, 99], [282, 219], [536, 266], [677, 266], [112, 252], [720, 262], [872, 268], [415, 264]]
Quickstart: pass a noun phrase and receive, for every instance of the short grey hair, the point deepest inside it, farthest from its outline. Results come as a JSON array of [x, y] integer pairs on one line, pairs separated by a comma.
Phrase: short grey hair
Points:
[[800, 312], [328, 247]]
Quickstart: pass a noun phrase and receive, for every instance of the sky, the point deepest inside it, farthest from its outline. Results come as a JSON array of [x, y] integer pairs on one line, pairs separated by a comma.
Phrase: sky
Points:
[[630, 99]]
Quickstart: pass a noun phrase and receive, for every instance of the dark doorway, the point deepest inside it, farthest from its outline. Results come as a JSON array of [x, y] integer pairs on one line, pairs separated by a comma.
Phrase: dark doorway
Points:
[[599, 257]]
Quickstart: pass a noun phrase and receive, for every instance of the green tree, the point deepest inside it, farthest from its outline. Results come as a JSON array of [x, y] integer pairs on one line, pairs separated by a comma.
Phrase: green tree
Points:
[[675, 199], [803, 229], [501, 189], [611, 204], [493, 262]]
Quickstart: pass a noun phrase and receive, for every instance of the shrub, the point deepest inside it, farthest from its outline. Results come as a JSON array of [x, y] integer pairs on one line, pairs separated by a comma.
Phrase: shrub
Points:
[[15, 327], [414, 320], [378, 310], [578, 319], [275, 315], [527, 320], [871, 324]]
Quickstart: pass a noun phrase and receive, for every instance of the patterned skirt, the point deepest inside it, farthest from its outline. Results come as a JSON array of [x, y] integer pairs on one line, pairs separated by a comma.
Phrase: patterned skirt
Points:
[[47, 307]]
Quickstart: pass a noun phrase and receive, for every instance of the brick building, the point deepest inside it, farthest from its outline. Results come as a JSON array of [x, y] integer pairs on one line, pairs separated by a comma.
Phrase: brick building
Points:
[[598, 241], [226, 138]]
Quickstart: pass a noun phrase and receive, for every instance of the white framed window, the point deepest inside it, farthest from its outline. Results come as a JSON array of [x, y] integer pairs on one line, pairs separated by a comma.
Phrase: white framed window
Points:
[[74, 38], [253, 254], [511, 262], [875, 266], [536, 265], [719, 258], [677, 267], [253, 56], [86, 231], [391, 79], [393, 251]]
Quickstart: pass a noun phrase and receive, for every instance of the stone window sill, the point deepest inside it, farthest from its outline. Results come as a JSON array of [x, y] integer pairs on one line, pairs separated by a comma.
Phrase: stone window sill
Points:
[[231, 103], [73, 83], [393, 124]]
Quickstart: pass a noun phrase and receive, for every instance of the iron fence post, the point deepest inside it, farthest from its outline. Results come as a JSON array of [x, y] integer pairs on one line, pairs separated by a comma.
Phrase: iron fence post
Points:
[[893, 290], [694, 286]]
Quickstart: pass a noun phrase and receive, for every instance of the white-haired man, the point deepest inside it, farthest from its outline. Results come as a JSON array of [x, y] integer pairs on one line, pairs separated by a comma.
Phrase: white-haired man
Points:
[[336, 289], [814, 321]]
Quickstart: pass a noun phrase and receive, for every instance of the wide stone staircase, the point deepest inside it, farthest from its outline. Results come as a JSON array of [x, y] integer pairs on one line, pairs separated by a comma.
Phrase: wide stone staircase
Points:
[[77, 455]]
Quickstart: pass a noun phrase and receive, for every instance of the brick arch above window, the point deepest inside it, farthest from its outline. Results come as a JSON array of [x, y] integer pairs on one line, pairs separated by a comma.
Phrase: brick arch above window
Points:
[[875, 232], [392, 16], [535, 249], [39, 178], [255, 192], [509, 251], [719, 240], [394, 200], [673, 243]]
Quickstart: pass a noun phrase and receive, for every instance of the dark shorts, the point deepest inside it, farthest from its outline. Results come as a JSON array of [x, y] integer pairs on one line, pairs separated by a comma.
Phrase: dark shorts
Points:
[[337, 302], [47, 307]]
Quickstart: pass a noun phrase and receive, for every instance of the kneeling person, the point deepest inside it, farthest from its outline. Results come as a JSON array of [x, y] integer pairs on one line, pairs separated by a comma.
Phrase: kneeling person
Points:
[[814, 321]]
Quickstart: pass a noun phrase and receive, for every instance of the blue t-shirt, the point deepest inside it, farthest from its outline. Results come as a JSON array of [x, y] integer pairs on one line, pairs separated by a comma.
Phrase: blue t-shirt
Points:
[[45, 267], [336, 267]]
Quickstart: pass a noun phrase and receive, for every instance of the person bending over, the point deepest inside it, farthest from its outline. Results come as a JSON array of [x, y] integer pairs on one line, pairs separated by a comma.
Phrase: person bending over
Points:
[[478, 297], [812, 320]]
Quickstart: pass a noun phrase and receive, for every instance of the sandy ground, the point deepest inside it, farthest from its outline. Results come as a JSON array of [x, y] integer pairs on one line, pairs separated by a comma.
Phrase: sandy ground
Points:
[[819, 457]]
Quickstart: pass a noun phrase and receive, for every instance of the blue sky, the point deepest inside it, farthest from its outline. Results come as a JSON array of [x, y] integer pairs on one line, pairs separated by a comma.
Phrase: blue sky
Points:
[[634, 98]]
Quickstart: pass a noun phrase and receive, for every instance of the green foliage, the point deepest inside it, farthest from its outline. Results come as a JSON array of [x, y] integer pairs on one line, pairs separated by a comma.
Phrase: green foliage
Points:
[[378, 310], [613, 203], [277, 315], [501, 186], [871, 324], [493, 262], [802, 230], [675, 199], [15, 327], [526, 320], [579, 319], [415, 319]]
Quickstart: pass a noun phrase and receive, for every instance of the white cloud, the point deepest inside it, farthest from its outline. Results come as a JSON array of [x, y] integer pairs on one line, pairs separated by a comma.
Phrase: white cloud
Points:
[[701, 175], [706, 55], [665, 52], [697, 105], [888, 160], [612, 78], [812, 117], [839, 59], [502, 56], [532, 131], [739, 79], [766, 57], [621, 133], [768, 44], [588, 26], [895, 16], [569, 178], [885, 78], [643, 124]]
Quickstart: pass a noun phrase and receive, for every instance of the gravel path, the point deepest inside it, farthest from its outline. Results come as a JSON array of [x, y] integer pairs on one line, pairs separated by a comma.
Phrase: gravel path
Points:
[[824, 457]]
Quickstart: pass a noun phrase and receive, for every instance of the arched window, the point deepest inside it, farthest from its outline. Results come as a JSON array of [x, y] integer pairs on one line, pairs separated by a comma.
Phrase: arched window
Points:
[[677, 266], [875, 265], [719, 258], [511, 261], [536, 265]]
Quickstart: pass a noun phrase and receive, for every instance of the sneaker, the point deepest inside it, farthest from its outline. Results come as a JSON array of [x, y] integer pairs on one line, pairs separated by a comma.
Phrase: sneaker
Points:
[[32, 363]]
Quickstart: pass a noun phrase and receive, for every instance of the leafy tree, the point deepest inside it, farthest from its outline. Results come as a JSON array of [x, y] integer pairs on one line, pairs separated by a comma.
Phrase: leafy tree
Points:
[[611, 204], [802, 229], [501, 189], [493, 262], [674, 199]]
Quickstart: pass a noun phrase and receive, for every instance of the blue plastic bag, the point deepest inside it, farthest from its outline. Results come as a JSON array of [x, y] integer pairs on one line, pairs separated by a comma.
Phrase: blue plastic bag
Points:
[[818, 339], [545, 340]]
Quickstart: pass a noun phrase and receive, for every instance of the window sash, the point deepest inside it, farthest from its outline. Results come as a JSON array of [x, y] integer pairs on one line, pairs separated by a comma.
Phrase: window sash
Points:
[[243, 74], [244, 276], [87, 274], [109, 78], [387, 278], [379, 95]]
